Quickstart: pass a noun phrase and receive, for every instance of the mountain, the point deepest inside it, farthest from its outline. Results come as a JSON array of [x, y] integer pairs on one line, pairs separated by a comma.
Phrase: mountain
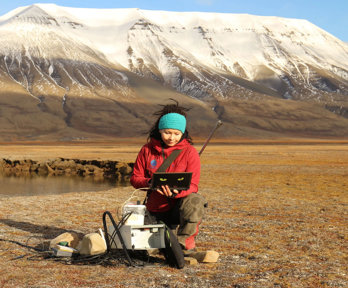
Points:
[[69, 73]]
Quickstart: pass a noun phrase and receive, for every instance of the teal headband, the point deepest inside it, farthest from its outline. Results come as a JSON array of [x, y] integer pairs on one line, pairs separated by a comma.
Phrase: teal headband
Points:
[[173, 121]]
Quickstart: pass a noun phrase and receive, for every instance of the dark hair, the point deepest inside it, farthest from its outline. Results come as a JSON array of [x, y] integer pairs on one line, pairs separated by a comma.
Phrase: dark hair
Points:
[[169, 108]]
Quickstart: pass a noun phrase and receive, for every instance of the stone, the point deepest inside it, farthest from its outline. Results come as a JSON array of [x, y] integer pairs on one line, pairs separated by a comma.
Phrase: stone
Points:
[[71, 237]]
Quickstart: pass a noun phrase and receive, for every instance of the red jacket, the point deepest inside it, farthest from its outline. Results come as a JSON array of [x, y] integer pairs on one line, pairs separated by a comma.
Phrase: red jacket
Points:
[[150, 159]]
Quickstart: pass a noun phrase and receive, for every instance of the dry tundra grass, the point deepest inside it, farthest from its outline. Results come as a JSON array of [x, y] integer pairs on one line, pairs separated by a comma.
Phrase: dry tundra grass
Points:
[[277, 215]]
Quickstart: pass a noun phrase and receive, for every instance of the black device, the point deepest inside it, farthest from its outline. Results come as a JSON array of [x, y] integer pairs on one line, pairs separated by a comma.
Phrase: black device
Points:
[[175, 180]]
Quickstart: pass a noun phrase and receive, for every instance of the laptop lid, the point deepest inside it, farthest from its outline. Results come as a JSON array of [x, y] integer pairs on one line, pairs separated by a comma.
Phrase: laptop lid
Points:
[[175, 180]]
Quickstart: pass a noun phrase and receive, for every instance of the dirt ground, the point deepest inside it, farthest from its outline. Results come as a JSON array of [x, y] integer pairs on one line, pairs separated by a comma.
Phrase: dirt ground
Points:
[[277, 215]]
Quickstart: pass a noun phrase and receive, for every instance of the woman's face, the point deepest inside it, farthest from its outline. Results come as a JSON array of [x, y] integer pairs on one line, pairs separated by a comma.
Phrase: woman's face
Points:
[[170, 136]]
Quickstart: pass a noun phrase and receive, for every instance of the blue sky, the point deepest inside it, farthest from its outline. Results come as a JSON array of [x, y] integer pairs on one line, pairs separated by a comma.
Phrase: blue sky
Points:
[[330, 15]]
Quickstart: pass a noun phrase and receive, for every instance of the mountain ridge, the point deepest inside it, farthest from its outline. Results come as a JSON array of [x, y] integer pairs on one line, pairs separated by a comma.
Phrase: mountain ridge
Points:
[[66, 58]]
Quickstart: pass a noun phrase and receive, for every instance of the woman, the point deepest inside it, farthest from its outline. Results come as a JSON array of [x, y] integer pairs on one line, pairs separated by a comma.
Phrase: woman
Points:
[[184, 208]]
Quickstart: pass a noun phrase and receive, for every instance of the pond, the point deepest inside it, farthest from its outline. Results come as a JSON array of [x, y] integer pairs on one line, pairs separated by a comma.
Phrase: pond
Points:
[[40, 185]]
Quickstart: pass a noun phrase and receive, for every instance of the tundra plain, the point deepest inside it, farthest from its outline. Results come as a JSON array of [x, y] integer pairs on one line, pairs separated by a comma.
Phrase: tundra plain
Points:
[[277, 215]]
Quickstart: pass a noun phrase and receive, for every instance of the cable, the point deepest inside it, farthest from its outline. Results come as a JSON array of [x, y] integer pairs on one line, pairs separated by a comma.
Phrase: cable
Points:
[[107, 213], [132, 195], [106, 258], [40, 251], [23, 245], [122, 256], [127, 201]]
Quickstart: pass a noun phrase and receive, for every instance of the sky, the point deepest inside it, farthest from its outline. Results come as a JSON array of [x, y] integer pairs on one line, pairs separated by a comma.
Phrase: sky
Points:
[[330, 15]]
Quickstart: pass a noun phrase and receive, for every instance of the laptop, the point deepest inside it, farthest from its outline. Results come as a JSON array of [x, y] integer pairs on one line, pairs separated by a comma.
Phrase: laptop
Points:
[[175, 180]]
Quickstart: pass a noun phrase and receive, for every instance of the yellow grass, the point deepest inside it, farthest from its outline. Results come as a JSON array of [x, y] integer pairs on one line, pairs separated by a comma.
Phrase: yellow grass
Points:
[[277, 215]]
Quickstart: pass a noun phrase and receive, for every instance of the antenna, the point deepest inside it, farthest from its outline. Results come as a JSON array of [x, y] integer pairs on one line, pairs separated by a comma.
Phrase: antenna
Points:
[[218, 124]]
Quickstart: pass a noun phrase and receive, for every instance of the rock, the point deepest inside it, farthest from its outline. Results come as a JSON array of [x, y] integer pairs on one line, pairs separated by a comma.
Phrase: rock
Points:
[[123, 168], [118, 171], [49, 169], [2, 165], [71, 237], [208, 256], [42, 170], [92, 244], [190, 261]]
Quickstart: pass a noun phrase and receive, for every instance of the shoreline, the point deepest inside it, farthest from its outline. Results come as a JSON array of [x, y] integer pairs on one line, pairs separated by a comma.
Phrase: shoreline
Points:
[[108, 170]]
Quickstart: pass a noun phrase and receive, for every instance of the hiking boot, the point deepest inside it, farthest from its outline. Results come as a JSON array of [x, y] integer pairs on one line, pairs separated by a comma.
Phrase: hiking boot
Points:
[[188, 252], [208, 256]]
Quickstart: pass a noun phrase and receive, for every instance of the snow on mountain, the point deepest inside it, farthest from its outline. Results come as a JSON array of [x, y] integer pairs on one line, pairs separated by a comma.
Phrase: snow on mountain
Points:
[[184, 50], [34, 42], [211, 57]]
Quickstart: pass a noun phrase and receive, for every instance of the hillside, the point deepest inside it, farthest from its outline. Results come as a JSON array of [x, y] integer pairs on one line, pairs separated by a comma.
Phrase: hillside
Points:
[[70, 73]]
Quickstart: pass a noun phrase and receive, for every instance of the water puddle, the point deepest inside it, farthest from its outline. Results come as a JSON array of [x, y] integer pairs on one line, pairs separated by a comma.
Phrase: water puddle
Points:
[[39, 185]]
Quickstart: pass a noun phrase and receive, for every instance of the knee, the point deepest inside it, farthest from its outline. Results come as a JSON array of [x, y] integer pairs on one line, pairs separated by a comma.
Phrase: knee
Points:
[[192, 208]]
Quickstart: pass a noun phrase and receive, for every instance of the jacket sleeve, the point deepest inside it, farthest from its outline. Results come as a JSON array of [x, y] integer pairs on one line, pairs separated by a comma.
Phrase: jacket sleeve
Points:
[[194, 166], [139, 178]]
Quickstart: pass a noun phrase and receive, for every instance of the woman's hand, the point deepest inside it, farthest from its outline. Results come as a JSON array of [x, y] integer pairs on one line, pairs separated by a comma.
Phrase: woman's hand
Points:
[[165, 191]]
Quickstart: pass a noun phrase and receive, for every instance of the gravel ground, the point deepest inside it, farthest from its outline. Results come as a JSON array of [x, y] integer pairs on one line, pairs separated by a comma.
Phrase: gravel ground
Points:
[[277, 215]]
